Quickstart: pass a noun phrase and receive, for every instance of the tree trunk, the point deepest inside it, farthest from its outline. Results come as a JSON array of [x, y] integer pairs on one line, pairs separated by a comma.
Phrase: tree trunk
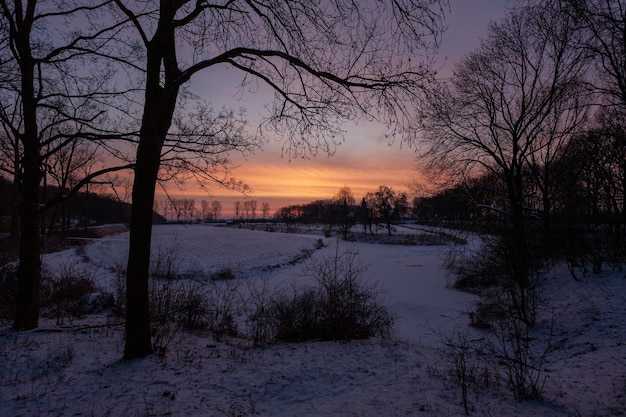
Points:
[[138, 343], [159, 106], [31, 245], [29, 270], [519, 253]]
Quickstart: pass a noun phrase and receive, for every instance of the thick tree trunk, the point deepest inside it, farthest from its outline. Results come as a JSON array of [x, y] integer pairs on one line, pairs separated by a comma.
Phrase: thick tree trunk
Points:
[[159, 106], [31, 245], [155, 122], [138, 342], [519, 254], [29, 270]]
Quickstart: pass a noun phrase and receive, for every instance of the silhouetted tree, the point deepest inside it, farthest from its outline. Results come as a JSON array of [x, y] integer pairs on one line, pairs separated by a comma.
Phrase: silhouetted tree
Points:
[[53, 88], [237, 207], [345, 206], [216, 208], [265, 209], [509, 104], [386, 206], [204, 208]]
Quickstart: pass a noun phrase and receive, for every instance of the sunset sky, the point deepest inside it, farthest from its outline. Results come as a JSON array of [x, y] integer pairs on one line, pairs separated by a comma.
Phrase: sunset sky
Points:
[[363, 162]]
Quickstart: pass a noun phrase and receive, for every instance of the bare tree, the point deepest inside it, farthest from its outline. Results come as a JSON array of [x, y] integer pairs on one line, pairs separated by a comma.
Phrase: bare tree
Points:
[[602, 24], [190, 208], [386, 206], [345, 202], [10, 157], [178, 208], [237, 207], [216, 208], [324, 62], [511, 103], [252, 204], [53, 87], [265, 209], [66, 167], [166, 207], [246, 209], [205, 209]]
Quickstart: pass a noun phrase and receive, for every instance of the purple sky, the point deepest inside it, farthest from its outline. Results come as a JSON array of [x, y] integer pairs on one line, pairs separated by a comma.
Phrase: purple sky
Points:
[[364, 161]]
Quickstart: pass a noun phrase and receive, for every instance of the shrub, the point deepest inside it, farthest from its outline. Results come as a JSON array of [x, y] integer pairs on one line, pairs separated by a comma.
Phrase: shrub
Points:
[[521, 357], [165, 263], [341, 306], [477, 271], [224, 306], [259, 312], [175, 305], [296, 317], [66, 293], [466, 366]]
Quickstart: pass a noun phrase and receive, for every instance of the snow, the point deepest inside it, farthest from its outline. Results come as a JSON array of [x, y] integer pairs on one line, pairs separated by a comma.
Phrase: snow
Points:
[[77, 370]]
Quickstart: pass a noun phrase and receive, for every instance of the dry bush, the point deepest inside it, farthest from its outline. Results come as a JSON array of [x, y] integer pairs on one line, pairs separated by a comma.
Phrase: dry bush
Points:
[[476, 271], [466, 363], [118, 309], [295, 316], [176, 304], [259, 314], [65, 294], [225, 304], [521, 357], [342, 306]]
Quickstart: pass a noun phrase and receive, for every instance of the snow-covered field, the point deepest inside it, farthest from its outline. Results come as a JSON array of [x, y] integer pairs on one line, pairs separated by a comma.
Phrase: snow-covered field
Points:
[[76, 371]]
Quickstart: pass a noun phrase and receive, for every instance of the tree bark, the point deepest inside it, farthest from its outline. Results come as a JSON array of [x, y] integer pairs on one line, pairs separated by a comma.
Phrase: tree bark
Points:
[[159, 109], [518, 252], [157, 113], [31, 245], [138, 343]]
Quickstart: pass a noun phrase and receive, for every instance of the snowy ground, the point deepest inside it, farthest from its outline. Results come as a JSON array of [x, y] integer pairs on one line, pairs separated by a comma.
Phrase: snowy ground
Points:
[[57, 372]]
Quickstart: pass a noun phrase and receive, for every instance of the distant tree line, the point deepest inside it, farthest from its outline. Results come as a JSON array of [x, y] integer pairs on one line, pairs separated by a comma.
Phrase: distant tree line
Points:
[[84, 209], [381, 208], [184, 210]]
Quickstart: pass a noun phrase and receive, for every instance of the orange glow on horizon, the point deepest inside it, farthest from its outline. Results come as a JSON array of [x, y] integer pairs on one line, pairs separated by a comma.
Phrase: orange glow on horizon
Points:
[[280, 182]]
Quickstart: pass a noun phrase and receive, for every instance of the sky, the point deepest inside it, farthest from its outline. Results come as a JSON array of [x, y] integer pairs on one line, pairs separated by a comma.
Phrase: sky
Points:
[[364, 161]]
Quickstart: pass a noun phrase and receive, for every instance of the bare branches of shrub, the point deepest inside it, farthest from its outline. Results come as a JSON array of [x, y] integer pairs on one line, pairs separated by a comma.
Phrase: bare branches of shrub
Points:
[[65, 294], [507, 310], [341, 306], [466, 362]]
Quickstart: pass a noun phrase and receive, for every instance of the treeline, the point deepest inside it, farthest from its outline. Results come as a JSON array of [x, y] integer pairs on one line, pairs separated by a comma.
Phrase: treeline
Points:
[[83, 209], [380, 208], [574, 209], [185, 210]]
